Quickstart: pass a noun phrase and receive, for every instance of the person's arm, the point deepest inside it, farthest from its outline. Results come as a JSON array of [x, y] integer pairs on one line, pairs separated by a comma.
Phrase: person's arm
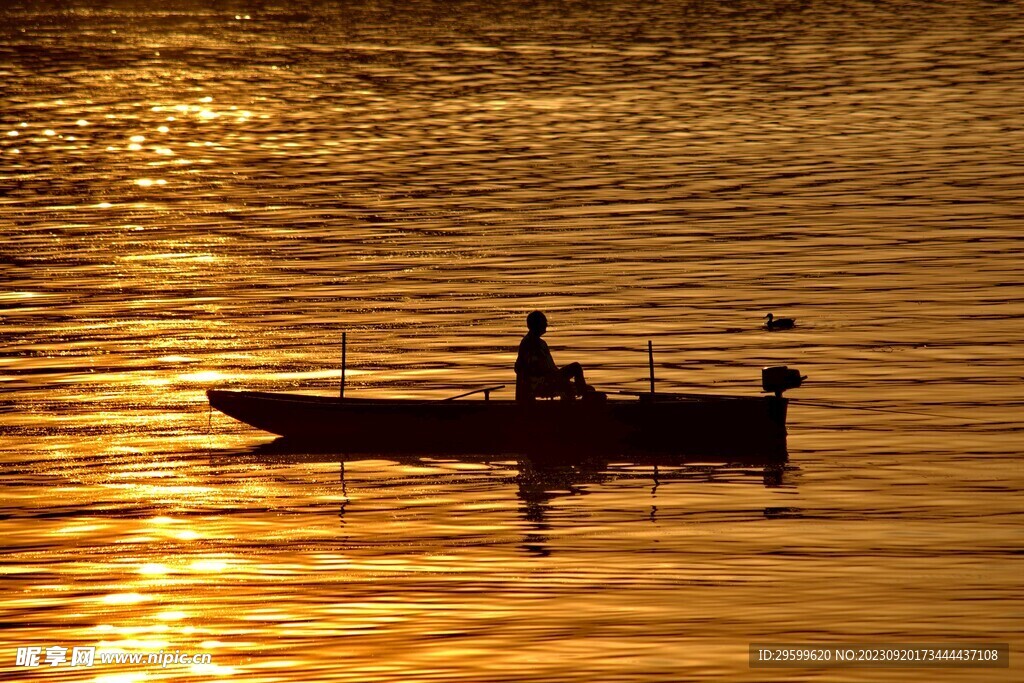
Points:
[[523, 359], [544, 360], [534, 359]]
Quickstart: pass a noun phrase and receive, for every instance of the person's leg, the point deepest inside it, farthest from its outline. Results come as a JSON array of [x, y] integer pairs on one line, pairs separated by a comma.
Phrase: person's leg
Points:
[[574, 372]]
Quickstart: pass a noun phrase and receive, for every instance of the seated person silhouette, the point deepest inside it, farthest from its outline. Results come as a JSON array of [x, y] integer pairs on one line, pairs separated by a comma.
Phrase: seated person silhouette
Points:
[[537, 376]]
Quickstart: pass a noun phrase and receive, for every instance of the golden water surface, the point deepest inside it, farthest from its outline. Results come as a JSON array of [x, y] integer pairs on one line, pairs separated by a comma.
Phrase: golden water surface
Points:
[[204, 194]]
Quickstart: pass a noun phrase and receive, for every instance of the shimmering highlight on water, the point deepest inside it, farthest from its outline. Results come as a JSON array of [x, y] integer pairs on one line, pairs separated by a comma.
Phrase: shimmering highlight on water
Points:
[[199, 195]]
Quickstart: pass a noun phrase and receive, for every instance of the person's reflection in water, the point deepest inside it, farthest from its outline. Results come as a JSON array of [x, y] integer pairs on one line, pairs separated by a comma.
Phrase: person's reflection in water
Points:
[[539, 484]]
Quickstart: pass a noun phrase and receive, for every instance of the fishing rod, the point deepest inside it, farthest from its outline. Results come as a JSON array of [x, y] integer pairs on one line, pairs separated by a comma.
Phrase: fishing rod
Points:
[[826, 404]]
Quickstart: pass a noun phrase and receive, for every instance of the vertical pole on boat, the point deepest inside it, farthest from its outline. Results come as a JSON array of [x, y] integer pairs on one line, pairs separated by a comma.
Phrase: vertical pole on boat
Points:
[[650, 363], [344, 349]]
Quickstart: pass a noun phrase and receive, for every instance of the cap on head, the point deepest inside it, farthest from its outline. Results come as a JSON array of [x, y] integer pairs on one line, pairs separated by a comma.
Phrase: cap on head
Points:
[[536, 321]]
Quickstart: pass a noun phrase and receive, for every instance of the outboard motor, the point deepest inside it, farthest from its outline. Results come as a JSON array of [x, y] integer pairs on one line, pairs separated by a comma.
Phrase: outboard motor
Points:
[[778, 378]]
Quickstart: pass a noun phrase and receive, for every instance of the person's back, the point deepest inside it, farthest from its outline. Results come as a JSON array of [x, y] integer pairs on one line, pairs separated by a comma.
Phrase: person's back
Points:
[[534, 358]]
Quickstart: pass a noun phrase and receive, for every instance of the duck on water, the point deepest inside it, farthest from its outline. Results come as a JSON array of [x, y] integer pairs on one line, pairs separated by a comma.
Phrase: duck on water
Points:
[[779, 323]]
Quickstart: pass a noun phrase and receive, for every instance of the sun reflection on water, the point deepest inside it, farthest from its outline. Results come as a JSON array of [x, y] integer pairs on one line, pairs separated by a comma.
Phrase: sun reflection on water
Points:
[[125, 598], [424, 183], [121, 678]]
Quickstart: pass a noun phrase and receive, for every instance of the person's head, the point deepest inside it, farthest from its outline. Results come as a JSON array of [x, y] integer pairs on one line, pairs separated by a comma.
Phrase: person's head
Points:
[[537, 322]]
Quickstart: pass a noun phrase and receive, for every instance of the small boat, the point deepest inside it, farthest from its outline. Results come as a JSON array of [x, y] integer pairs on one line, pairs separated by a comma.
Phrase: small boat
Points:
[[646, 422]]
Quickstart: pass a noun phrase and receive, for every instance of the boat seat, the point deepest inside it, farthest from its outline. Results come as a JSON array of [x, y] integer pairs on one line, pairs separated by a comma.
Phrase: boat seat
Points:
[[544, 392]]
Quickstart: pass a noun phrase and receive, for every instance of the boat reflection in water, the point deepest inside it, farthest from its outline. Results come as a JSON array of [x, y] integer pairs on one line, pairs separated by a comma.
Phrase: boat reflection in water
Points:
[[542, 477], [537, 485]]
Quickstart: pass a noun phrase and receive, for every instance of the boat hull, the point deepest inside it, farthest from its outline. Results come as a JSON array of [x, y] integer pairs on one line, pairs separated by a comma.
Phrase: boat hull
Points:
[[720, 425]]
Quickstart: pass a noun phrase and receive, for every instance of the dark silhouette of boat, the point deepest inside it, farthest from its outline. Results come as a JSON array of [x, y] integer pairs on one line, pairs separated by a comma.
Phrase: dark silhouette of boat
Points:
[[649, 423]]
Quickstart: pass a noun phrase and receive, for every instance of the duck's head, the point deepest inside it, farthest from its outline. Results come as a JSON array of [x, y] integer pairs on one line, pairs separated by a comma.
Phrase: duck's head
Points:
[[769, 316]]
